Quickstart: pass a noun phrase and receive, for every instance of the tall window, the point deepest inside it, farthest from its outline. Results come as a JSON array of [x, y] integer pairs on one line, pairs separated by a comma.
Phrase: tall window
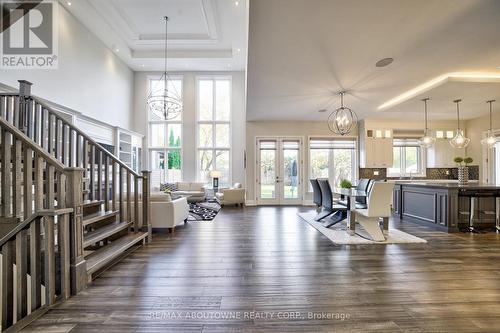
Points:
[[165, 140], [213, 127], [332, 158], [407, 158]]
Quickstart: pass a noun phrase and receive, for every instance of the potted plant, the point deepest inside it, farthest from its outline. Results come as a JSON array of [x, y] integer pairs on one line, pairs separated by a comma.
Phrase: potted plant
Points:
[[463, 168], [344, 183]]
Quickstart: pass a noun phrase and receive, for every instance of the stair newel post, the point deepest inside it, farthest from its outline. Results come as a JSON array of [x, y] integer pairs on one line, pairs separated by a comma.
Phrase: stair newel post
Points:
[[146, 222], [74, 199], [24, 105]]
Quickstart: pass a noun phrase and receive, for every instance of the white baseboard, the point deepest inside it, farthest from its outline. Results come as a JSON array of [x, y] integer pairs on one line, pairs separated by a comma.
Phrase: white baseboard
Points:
[[250, 203]]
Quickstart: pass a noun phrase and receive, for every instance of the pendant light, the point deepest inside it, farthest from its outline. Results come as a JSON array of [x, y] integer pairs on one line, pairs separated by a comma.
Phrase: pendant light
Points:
[[426, 141], [342, 120], [459, 140], [490, 139], [165, 103]]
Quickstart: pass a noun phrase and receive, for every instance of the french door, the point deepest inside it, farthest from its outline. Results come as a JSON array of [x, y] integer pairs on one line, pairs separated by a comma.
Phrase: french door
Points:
[[279, 171]]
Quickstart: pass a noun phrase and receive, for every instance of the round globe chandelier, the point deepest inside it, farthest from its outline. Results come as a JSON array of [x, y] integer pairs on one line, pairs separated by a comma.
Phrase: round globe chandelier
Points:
[[490, 139], [342, 120], [459, 140], [164, 101]]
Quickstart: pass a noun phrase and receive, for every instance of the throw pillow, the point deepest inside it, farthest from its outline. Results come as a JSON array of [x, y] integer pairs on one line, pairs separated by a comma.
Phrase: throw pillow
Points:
[[171, 187]]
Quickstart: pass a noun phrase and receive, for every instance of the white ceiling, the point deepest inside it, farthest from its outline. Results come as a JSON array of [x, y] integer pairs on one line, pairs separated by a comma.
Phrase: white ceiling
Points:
[[204, 35], [302, 52]]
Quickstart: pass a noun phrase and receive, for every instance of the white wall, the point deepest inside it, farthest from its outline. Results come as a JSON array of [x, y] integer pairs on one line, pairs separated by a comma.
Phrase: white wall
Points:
[[140, 121], [90, 78]]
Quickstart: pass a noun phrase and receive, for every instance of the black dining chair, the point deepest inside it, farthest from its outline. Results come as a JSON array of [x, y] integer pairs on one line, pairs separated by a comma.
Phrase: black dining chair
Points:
[[317, 200], [364, 184], [338, 212]]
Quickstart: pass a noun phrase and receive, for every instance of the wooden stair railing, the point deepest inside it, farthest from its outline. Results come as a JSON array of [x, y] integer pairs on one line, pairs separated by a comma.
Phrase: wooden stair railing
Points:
[[48, 164], [36, 218]]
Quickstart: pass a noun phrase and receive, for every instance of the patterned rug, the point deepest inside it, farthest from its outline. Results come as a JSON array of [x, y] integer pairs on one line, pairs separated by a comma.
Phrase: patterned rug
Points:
[[203, 211]]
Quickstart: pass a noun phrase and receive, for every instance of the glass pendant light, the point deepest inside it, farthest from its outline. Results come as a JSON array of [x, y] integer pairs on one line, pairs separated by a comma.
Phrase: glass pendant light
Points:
[[342, 120], [426, 141], [165, 103], [459, 140], [490, 139]]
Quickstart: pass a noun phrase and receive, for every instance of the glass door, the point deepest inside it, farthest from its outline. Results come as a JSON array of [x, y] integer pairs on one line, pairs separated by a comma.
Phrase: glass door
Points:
[[279, 171]]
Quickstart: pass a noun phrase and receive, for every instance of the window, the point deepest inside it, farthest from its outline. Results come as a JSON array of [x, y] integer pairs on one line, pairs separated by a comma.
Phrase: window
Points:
[[407, 159], [165, 140], [213, 128], [332, 158]]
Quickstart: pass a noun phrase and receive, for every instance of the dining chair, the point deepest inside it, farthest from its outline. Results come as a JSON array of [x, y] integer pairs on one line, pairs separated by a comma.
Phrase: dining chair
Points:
[[379, 203], [317, 200], [364, 185], [339, 212]]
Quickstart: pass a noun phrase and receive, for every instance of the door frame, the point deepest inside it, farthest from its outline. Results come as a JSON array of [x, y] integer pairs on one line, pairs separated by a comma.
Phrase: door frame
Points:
[[302, 171]]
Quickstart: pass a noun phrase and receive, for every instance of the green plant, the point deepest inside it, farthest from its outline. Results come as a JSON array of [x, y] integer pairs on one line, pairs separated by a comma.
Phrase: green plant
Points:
[[458, 160], [344, 183], [468, 160]]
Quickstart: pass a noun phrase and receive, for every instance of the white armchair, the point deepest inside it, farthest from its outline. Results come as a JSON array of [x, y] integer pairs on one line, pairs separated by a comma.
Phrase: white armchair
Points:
[[168, 213], [231, 196], [379, 203]]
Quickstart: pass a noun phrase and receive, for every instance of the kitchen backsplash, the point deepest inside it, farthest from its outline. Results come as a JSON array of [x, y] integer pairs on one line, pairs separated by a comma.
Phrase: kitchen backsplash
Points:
[[432, 173]]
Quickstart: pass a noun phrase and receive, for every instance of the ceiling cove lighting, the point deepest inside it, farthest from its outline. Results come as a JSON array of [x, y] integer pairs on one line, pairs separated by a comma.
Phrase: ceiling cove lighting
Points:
[[490, 139], [437, 81], [342, 120], [426, 141], [459, 140], [164, 101]]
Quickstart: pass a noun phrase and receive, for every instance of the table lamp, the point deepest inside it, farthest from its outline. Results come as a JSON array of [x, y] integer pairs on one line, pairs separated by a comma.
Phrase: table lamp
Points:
[[215, 175]]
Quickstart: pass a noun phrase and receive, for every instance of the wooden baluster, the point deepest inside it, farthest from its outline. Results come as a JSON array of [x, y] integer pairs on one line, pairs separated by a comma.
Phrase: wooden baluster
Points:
[[7, 284], [57, 142], [6, 173], [16, 112], [50, 128], [28, 182], [146, 209], [39, 192], [10, 109], [113, 185], [37, 125], [120, 192], [61, 191], [3, 100], [106, 183], [64, 149], [17, 177], [99, 173], [71, 147], [136, 203], [92, 172], [49, 184], [64, 254], [85, 158], [43, 127], [49, 256], [21, 274], [129, 207], [35, 265], [78, 147]]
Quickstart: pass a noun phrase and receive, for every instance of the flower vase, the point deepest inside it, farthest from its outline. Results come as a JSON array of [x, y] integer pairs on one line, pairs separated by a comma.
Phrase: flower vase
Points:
[[463, 174]]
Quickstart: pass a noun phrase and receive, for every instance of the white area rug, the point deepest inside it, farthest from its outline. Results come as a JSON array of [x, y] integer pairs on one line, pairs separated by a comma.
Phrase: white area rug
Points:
[[338, 235]]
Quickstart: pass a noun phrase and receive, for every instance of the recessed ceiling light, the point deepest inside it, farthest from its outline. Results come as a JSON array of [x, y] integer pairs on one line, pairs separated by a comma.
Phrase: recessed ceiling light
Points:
[[69, 3], [142, 65], [117, 50], [322, 110], [236, 3], [384, 62], [239, 50]]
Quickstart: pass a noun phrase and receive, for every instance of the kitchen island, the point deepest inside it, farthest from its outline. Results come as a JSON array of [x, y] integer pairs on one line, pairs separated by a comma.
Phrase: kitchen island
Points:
[[447, 205]]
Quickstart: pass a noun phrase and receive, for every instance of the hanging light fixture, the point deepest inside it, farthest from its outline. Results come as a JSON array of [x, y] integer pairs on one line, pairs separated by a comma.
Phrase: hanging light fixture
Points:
[[165, 102], [459, 140], [426, 141], [490, 139], [342, 120]]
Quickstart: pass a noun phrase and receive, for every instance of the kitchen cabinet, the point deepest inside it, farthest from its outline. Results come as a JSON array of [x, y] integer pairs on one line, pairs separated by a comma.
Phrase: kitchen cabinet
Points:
[[377, 153], [441, 154]]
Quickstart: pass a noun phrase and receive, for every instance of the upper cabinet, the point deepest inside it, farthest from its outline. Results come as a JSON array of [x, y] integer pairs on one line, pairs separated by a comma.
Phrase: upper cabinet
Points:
[[441, 154], [376, 148]]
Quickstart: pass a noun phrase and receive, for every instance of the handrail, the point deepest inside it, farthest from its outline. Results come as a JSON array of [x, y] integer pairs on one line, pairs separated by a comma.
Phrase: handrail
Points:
[[23, 225], [32, 145], [89, 139]]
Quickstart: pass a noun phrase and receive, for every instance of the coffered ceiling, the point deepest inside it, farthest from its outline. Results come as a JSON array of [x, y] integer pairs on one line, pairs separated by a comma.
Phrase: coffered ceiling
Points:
[[302, 52], [202, 34]]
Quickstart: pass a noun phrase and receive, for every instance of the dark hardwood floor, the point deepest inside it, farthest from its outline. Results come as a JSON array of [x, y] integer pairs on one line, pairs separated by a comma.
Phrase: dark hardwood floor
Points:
[[269, 261]]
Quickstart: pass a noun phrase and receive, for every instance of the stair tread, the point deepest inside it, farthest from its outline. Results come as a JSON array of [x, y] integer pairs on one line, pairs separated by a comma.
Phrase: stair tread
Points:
[[95, 217], [93, 237], [106, 254], [90, 203]]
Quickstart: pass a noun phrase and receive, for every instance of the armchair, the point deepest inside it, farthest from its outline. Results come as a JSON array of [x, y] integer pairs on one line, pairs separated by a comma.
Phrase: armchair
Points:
[[234, 195], [168, 213]]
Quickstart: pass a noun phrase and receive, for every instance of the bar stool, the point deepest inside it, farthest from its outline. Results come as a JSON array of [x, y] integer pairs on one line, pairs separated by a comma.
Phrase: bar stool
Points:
[[472, 210], [497, 213]]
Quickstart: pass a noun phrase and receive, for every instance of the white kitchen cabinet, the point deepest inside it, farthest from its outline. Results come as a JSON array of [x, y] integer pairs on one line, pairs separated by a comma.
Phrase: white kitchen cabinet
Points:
[[441, 154], [378, 153]]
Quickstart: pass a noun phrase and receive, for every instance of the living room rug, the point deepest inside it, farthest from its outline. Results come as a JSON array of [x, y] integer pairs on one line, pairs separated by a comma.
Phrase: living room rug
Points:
[[203, 211], [338, 235]]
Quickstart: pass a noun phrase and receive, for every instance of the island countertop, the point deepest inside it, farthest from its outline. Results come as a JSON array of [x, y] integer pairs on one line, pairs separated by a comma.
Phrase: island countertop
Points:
[[450, 185]]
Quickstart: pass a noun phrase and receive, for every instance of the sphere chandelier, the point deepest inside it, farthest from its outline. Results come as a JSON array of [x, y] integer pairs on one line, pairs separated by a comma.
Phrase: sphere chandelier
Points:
[[490, 139], [342, 120], [459, 140], [164, 101]]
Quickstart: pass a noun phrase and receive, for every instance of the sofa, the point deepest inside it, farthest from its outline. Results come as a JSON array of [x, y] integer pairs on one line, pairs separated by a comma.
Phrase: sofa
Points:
[[196, 191], [231, 196], [167, 213]]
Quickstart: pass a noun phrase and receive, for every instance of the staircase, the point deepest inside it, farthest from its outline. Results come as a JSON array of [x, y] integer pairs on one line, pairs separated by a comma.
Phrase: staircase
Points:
[[69, 208]]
